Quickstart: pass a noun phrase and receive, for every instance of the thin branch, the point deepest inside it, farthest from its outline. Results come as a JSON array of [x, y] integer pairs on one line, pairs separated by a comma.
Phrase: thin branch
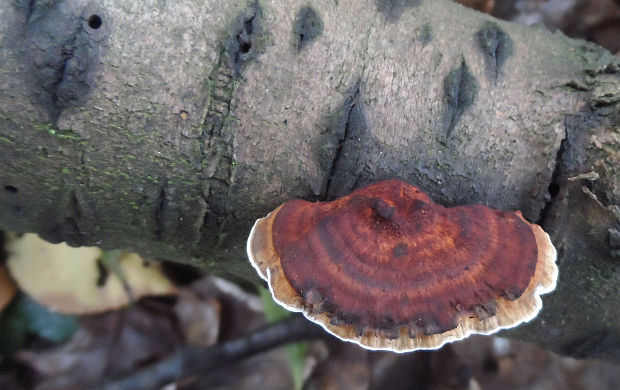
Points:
[[189, 360]]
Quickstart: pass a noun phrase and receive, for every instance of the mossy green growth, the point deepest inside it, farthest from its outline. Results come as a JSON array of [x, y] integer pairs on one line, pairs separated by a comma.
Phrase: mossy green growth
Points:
[[69, 136], [596, 277], [47, 127]]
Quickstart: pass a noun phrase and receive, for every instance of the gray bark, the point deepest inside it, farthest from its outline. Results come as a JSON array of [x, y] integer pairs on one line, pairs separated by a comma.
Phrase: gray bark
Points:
[[169, 127]]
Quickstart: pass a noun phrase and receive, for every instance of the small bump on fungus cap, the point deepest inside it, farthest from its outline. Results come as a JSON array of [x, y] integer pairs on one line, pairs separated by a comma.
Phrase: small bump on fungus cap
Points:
[[387, 268]]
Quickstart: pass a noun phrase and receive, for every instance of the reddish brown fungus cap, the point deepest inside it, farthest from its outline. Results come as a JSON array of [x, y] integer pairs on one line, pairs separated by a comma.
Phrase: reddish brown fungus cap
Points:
[[387, 268]]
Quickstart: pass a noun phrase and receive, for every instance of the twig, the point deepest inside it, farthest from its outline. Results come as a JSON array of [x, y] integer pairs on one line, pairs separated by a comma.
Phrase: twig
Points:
[[592, 176], [193, 359]]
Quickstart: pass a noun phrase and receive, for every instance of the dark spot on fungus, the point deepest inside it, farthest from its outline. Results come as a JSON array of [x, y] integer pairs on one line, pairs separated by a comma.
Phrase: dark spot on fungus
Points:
[[418, 205], [486, 310], [460, 90], [11, 189], [400, 250], [307, 26], [496, 46], [94, 22], [383, 209], [401, 286], [313, 296], [393, 9], [336, 321], [511, 294]]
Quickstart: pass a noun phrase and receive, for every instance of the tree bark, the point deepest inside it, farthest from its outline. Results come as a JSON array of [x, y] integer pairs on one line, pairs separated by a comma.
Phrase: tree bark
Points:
[[169, 127]]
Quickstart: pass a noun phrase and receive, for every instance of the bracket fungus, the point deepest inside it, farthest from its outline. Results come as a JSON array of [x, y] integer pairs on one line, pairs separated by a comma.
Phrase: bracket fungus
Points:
[[387, 268]]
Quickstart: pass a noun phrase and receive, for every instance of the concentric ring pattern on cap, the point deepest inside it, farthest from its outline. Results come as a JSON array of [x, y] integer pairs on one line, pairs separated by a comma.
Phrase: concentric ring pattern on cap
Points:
[[387, 268]]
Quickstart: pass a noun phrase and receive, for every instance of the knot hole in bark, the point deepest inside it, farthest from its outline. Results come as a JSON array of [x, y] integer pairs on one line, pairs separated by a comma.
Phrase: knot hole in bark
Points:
[[11, 189], [94, 22]]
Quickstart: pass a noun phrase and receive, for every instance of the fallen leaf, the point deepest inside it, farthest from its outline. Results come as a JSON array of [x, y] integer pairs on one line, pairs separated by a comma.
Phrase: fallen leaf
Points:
[[199, 319], [346, 368], [267, 370], [242, 312], [121, 342], [74, 280], [499, 363], [25, 316], [105, 345]]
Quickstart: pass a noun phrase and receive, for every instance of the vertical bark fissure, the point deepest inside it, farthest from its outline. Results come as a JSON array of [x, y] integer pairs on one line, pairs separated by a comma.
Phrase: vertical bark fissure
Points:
[[217, 144], [160, 210], [355, 126], [460, 89], [66, 54], [338, 155], [31, 8], [554, 184]]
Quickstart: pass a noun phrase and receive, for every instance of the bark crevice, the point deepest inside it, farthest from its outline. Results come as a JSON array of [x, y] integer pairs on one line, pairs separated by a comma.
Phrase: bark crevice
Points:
[[555, 184], [217, 142], [348, 128]]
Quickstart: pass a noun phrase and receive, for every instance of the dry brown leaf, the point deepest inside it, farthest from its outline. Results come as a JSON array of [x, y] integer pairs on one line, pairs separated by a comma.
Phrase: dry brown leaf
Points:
[[105, 345], [499, 363], [65, 279], [119, 342], [198, 319], [346, 368], [267, 370], [242, 312]]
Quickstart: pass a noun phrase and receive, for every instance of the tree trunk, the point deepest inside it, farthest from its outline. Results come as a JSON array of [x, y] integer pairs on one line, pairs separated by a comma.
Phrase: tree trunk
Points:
[[169, 127]]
